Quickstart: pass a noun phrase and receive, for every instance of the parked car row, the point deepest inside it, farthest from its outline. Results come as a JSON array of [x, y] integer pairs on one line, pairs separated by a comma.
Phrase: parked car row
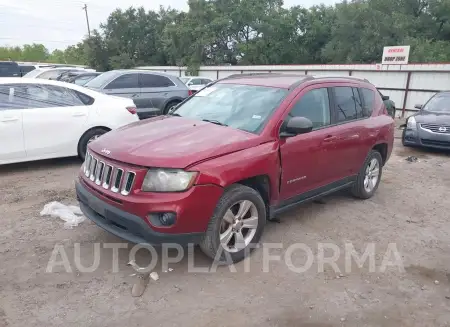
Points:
[[234, 146]]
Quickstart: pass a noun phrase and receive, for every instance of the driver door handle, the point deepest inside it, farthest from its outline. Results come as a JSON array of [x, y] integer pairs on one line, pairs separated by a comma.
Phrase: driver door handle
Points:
[[330, 138]]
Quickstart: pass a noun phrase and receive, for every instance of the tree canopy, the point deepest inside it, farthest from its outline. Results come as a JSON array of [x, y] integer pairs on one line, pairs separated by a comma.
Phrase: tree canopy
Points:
[[257, 32]]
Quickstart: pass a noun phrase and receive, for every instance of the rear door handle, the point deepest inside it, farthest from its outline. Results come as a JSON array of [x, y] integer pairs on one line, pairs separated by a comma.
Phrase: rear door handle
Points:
[[79, 114], [8, 119]]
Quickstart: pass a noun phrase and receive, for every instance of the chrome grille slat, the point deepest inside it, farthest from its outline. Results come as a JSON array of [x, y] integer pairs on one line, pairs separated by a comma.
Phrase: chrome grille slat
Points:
[[108, 176], [99, 172], [87, 164], [435, 128], [93, 168], [128, 183], [117, 180]]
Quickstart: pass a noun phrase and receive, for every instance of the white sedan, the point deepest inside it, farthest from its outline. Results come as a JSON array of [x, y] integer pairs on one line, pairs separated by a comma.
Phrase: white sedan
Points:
[[42, 119], [195, 83]]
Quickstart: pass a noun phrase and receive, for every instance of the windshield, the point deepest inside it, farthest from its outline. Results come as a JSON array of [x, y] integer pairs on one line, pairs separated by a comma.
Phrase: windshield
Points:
[[244, 107], [101, 79], [438, 103], [184, 79]]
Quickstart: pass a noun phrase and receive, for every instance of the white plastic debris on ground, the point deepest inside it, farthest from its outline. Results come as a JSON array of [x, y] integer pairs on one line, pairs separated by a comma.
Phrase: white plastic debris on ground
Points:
[[72, 215]]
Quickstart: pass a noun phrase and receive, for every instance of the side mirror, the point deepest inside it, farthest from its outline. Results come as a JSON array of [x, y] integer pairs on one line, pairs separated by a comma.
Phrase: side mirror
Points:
[[418, 106], [190, 83], [385, 97], [295, 126]]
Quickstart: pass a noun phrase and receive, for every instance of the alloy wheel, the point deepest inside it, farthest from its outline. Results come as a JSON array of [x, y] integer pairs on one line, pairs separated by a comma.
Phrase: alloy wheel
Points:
[[372, 175], [238, 226]]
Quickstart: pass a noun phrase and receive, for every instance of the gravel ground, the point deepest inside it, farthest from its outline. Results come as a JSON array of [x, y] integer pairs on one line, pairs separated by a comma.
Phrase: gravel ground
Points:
[[409, 209]]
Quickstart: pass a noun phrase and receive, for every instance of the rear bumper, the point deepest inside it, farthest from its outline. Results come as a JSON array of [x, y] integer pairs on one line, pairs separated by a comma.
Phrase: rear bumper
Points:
[[425, 138], [144, 113], [127, 225]]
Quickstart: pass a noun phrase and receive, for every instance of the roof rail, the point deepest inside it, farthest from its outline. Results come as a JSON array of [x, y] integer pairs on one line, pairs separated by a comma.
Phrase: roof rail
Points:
[[244, 75], [343, 77]]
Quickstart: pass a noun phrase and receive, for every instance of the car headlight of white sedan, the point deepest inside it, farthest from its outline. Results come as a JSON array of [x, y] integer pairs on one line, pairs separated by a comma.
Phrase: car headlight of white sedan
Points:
[[168, 180]]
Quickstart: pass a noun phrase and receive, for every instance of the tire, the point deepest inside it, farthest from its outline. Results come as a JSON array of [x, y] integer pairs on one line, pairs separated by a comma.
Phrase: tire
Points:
[[87, 138], [234, 197], [403, 137], [169, 106], [362, 190]]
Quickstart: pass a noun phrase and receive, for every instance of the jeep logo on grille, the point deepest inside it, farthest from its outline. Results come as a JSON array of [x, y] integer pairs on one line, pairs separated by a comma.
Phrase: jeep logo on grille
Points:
[[106, 151], [443, 129]]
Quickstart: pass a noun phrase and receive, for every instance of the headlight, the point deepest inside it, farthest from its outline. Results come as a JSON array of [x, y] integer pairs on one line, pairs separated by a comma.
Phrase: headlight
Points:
[[168, 180], [412, 124]]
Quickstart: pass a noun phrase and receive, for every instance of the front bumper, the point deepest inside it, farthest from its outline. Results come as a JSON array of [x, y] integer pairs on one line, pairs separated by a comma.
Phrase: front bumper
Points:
[[134, 228], [425, 138]]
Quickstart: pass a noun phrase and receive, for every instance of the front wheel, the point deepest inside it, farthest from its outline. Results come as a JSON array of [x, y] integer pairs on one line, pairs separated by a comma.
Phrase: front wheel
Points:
[[369, 176], [87, 138], [236, 225]]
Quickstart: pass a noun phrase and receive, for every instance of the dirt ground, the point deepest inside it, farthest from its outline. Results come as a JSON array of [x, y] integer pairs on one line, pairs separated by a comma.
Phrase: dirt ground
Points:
[[411, 209]]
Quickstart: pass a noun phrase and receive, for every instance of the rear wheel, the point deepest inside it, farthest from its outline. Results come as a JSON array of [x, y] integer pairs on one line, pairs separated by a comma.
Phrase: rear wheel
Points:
[[87, 138], [369, 176], [236, 225], [170, 105]]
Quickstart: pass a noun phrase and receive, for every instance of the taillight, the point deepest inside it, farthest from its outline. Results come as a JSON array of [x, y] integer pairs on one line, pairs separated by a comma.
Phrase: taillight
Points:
[[132, 110], [190, 92]]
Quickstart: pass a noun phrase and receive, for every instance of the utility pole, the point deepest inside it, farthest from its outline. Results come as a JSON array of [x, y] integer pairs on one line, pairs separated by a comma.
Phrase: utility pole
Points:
[[87, 19]]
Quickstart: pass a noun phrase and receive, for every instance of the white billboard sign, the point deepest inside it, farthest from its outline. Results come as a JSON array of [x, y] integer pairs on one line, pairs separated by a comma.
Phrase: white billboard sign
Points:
[[397, 55]]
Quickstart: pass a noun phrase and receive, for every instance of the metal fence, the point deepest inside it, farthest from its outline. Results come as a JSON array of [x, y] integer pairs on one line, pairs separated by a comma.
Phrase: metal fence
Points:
[[406, 85]]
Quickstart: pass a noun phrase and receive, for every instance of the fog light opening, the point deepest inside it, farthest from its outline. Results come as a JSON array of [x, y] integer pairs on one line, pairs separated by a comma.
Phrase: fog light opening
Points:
[[164, 219]]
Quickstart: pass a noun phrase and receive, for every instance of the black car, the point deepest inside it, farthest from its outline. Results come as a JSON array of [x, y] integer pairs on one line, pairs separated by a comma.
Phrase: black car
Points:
[[9, 69], [430, 127]]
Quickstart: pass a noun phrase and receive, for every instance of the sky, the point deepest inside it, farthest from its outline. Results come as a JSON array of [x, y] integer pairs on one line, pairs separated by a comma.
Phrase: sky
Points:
[[60, 23]]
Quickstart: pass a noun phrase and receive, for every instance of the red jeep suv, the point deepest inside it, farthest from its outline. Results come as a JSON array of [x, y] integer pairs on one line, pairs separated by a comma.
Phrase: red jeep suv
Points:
[[234, 155]]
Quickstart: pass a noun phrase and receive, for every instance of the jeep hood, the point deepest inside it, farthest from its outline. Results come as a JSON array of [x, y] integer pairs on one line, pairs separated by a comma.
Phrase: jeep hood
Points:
[[172, 142]]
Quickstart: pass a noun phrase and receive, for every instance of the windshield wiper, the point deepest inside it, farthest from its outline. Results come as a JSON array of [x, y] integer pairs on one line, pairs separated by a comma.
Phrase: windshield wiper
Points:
[[214, 122], [176, 115]]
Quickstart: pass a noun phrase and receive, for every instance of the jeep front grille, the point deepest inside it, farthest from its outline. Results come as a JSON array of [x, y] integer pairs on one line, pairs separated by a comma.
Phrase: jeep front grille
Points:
[[108, 176]]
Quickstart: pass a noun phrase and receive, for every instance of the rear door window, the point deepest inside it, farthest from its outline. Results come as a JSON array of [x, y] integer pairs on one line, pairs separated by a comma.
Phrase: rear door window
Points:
[[345, 104], [359, 103], [152, 80], [127, 81], [11, 97], [369, 99]]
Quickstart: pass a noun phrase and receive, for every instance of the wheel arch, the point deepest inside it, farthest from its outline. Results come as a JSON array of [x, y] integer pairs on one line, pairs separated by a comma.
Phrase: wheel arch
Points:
[[382, 148], [91, 129], [261, 184], [173, 99]]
